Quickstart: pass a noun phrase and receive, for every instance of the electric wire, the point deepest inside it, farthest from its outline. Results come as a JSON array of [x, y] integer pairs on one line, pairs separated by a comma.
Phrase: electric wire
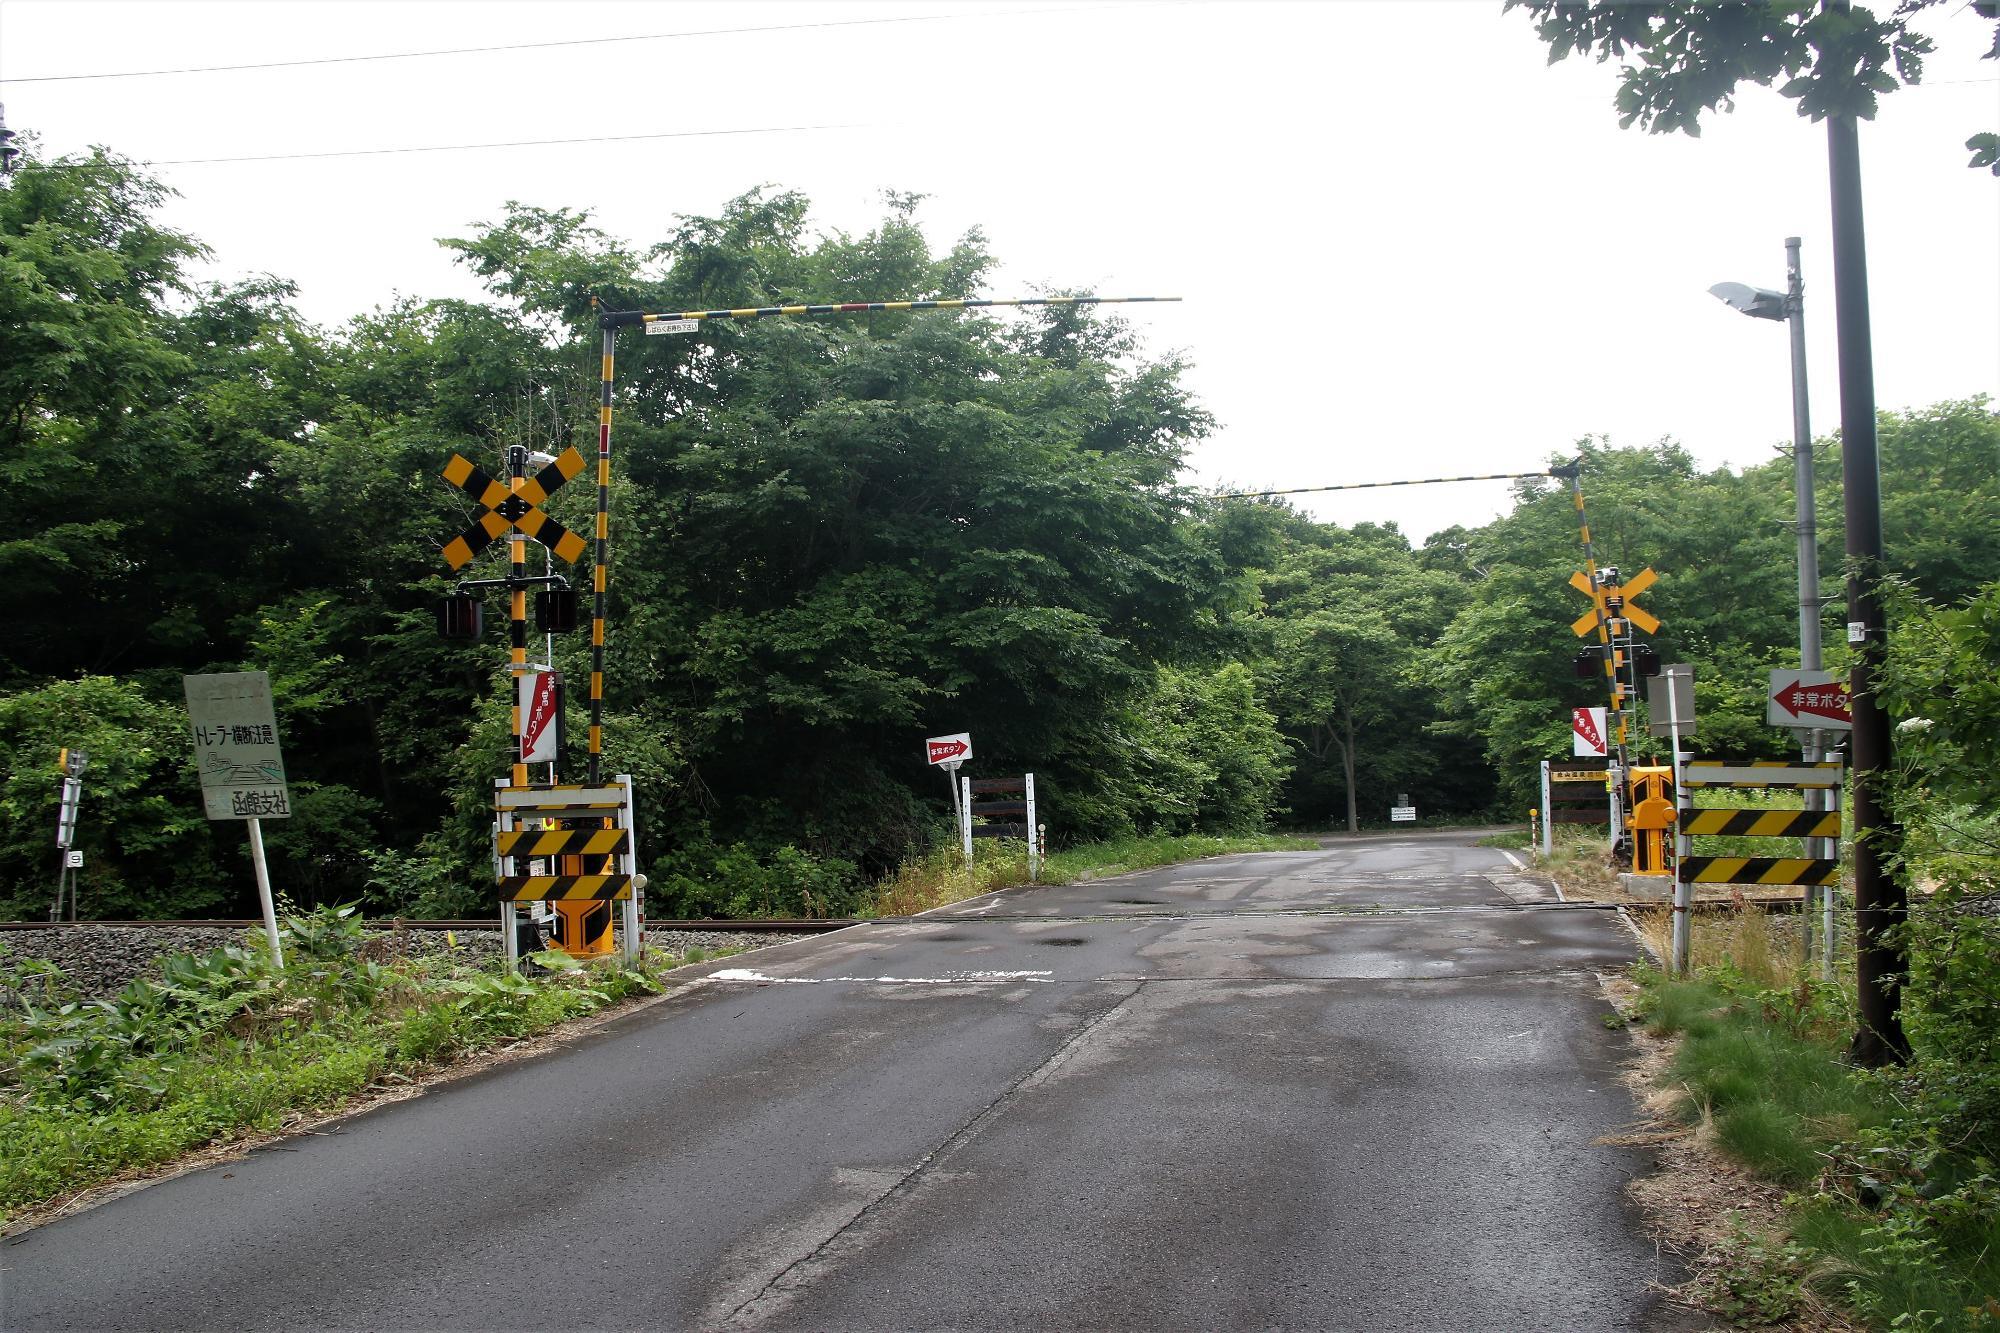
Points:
[[542, 46], [510, 143]]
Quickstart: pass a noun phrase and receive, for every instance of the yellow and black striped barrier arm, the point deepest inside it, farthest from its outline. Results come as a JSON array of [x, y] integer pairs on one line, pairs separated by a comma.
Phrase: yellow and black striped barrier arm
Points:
[[1574, 473], [1761, 823], [600, 561], [1757, 870], [620, 318], [1376, 485]]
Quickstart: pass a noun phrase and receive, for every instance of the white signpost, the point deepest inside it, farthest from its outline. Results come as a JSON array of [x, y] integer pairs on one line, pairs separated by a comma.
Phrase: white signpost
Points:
[[242, 771], [1586, 726], [1402, 814]]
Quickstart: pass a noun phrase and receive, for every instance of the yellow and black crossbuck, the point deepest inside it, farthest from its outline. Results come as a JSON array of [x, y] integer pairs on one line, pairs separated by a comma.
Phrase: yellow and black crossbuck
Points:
[[1612, 601], [503, 509]]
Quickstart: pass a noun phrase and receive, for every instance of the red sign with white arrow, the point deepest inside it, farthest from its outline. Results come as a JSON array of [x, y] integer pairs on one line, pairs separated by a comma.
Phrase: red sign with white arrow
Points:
[[954, 749], [1587, 732], [1808, 699]]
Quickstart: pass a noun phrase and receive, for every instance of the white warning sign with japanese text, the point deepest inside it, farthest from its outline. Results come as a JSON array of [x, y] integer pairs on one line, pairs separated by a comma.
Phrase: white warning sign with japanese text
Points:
[[1586, 727], [236, 746]]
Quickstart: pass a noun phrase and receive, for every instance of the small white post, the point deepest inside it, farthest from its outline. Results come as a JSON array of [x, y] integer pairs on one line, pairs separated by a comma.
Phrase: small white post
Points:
[[1034, 858], [503, 822], [1829, 895], [1614, 789], [264, 889], [628, 820], [965, 818], [1683, 890], [1548, 815]]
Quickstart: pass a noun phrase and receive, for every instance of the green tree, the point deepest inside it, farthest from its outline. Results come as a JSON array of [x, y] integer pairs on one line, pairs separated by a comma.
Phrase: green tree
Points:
[[147, 846], [1688, 57]]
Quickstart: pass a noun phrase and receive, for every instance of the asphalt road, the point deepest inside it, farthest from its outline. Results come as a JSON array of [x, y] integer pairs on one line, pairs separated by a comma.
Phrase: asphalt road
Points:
[[1351, 1089]]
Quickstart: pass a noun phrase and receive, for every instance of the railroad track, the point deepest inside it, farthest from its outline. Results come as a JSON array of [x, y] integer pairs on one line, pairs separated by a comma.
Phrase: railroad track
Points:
[[760, 926]]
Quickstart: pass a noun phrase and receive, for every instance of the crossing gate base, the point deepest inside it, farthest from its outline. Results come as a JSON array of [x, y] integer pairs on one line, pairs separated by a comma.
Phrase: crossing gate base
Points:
[[584, 837]]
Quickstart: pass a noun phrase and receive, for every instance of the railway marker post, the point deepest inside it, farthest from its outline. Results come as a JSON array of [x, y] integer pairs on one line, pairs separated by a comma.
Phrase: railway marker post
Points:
[[72, 762]]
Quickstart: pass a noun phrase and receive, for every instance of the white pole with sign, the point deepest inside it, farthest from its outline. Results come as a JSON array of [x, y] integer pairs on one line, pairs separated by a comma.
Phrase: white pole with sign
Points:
[[242, 771], [1815, 705], [947, 753]]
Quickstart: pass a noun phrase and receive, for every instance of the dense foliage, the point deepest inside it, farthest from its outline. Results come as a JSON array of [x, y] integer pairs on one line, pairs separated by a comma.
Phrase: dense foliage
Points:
[[830, 539]]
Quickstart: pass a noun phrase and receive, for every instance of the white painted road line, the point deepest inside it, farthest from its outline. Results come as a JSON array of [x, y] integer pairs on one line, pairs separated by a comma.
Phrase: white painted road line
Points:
[[955, 979]]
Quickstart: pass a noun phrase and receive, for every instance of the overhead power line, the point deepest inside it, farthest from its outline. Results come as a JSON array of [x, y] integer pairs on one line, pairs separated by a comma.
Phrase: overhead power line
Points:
[[510, 143], [1370, 485], [543, 46]]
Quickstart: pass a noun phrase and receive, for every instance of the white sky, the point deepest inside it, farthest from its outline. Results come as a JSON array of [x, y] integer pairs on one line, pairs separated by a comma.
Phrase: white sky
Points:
[[1407, 246]]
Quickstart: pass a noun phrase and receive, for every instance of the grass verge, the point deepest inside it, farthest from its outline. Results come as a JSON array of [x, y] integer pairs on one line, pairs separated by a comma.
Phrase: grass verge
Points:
[[943, 877], [228, 1045], [1891, 1211]]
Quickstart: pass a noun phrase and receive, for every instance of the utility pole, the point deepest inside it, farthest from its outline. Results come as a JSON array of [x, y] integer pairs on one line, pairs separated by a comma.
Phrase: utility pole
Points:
[[1881, 963], [1810, 658]]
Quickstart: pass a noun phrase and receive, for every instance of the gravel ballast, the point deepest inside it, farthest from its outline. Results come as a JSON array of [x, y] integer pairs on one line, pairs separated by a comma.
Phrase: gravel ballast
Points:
[[100, 961]]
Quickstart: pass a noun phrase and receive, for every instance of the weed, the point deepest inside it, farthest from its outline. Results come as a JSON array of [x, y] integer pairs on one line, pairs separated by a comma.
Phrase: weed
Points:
[[1759, 1280], [227, 1042]]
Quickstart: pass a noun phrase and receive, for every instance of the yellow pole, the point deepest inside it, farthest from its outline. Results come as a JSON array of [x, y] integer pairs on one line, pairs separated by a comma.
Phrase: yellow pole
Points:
[[517, 609]]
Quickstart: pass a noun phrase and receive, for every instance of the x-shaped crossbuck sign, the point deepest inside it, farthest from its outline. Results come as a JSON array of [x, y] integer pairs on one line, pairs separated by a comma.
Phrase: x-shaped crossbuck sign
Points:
[[1601, 597], [503, 509]]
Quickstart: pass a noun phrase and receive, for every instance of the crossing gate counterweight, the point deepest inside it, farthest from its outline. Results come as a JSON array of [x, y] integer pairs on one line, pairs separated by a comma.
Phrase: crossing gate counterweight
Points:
[[1759, 822]]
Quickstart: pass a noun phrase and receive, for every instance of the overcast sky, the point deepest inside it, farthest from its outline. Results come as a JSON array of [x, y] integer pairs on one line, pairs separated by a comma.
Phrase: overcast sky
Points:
[[1407, 246]]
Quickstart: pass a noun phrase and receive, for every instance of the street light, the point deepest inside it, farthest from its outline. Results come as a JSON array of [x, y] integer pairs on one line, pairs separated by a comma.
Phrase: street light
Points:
[[1789, 305]]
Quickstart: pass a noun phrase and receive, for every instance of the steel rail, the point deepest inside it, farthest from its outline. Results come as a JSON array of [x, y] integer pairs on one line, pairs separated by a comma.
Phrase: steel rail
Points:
[[760, 926]]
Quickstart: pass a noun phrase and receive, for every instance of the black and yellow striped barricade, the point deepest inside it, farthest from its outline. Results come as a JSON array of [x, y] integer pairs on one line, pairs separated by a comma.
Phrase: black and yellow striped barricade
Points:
[[1760, 822], [574, 848]]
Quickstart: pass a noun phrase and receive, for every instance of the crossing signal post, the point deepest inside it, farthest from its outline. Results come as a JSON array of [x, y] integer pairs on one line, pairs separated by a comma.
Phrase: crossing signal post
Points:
[[1613, 616], [512, 509], [1618, 657]]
